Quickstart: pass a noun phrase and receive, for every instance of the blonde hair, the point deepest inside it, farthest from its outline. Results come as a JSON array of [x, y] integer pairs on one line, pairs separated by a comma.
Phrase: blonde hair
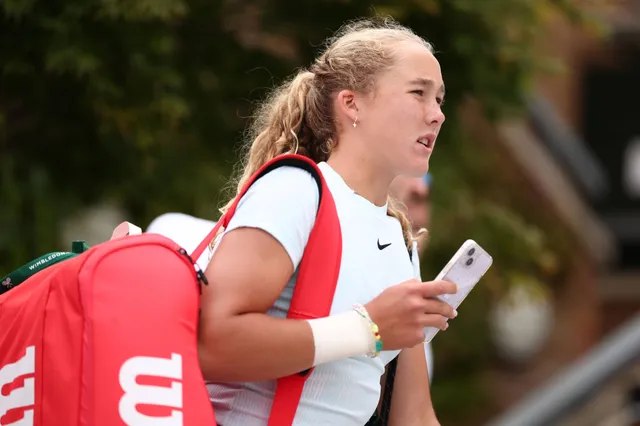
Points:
[[298, 116]]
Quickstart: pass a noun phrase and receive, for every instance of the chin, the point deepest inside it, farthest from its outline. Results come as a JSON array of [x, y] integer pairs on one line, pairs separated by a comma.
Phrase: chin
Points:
[[416, 169]]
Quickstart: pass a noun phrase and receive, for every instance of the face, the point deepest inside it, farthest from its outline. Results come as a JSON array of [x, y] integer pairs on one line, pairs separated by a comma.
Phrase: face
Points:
[[414, 194], [401, 119]]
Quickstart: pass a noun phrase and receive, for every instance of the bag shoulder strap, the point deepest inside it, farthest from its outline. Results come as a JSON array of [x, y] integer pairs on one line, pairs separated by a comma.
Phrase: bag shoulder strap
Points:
[[385, 409], [292, 160], [312, 296], [317, 274]]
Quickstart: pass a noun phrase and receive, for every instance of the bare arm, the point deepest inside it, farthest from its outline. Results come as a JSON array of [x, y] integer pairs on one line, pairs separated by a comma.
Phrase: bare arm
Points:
[[411, 403], [237, 340]]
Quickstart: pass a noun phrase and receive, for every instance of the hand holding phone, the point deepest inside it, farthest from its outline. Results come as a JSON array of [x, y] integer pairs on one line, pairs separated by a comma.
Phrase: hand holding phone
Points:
[[465, 269]]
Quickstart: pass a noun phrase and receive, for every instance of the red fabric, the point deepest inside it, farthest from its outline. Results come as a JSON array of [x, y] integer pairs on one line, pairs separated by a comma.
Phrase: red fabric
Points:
[[110, 337], [312, 296], [89, 320]]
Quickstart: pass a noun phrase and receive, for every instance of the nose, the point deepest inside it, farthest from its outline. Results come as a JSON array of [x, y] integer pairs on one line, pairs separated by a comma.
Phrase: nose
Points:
[[434, 114]]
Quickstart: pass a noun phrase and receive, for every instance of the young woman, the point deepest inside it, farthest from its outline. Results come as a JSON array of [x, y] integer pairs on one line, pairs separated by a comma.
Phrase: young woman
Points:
[[367, 110]]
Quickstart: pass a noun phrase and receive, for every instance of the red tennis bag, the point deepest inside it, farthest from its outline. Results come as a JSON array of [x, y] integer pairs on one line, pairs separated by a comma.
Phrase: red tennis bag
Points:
[[109, 337]]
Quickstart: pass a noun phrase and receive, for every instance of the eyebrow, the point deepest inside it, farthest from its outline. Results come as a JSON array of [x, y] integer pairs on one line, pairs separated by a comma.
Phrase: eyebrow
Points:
[[422, 81]]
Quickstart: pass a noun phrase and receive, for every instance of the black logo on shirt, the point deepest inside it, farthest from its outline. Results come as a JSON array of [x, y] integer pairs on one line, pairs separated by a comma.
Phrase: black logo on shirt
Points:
[[382, 246]]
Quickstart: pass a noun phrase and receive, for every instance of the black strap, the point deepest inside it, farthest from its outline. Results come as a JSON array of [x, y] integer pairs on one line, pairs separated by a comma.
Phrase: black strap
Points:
[[385, 409], [382, 418]]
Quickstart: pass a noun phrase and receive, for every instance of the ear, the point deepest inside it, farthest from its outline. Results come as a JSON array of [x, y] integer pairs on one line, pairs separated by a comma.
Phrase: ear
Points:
[[347, 105]]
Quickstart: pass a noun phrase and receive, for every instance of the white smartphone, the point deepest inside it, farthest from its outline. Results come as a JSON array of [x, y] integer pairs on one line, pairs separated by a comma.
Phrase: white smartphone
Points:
[[465, 269]]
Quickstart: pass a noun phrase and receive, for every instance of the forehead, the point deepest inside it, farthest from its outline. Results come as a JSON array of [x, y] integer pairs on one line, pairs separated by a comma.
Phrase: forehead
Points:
[[413, 63]]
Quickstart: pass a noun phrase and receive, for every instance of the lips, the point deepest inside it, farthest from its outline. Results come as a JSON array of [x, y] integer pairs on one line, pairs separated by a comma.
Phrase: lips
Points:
[[428, 140]]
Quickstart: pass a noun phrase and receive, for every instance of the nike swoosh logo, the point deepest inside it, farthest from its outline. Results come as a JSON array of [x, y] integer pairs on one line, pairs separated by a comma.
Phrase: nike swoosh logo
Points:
[[382, 246]]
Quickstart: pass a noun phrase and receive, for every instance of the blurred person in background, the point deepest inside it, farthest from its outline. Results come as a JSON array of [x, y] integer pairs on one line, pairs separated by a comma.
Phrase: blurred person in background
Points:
[[414, 195], [330, 114]]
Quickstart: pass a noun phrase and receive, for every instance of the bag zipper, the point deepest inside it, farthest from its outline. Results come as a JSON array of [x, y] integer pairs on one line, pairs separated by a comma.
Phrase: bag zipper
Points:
[[202, 279]]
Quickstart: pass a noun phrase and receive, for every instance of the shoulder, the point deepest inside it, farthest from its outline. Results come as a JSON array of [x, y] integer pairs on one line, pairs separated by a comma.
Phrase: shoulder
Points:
[[283, 203], [286, 182], [288, 191]]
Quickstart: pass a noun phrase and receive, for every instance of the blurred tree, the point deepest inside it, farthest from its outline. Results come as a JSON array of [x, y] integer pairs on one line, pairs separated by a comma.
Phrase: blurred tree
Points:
[[142, 103]]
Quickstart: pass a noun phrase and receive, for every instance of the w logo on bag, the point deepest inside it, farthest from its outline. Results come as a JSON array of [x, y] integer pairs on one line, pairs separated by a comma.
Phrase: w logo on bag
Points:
[[15, 398], [163, 396]]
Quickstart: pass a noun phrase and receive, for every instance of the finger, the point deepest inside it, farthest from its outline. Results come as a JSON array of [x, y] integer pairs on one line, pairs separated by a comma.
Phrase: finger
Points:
[[437, 306], [437, 288], [433, 320]]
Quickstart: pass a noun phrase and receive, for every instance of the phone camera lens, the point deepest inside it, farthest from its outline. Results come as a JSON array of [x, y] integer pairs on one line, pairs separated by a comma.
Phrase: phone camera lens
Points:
[[470, 252], [469, 262]]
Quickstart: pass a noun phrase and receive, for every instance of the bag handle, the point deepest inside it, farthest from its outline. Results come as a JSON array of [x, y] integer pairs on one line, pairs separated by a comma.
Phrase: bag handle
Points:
[[29, 269]]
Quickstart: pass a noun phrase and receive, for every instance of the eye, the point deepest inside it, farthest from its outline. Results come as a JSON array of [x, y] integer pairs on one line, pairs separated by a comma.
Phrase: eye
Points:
[[440, 101], [418, 92]]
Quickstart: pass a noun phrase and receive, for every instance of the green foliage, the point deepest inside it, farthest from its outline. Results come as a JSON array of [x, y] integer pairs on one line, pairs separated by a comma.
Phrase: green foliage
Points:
[[143, 102]]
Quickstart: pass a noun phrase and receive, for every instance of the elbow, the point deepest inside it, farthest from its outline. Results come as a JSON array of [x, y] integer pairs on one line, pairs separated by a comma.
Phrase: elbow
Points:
[[212, 369], [208, 363], [215, 353], [211, 358]]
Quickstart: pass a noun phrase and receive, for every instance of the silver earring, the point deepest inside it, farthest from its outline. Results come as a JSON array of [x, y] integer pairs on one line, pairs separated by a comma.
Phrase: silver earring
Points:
[[355, 122]]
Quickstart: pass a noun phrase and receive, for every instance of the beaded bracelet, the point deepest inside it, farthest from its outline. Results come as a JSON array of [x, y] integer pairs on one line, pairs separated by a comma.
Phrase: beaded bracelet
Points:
[[362, 311]]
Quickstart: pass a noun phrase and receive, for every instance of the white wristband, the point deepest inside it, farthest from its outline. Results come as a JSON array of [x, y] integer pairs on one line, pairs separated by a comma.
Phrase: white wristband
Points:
[[341, 336]]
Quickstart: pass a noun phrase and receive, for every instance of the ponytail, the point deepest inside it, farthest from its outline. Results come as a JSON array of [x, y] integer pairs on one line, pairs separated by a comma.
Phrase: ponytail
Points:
[[277, 127]]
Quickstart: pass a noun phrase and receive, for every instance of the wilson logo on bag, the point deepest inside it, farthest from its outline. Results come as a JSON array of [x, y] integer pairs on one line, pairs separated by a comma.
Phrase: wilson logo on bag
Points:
[[133, 372], [17, 390]]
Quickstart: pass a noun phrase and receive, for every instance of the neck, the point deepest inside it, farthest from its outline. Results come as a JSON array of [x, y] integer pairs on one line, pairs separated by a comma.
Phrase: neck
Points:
[[362, 175]]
